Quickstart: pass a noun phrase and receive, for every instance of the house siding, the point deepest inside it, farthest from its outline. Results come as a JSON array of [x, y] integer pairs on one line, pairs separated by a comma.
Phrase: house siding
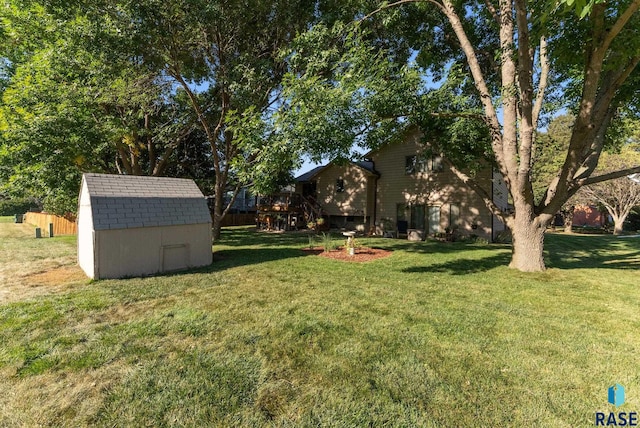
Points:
[[431, 189], [150, 250], [85, 242], [438, 199], [353, 200]]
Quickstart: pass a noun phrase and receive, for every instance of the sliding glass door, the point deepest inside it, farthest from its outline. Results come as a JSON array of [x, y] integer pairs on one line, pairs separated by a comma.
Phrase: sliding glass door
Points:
[[434, 219]]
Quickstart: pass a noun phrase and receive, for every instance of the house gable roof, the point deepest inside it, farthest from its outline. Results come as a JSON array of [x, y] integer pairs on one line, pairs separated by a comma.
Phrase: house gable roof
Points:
[[367, 166], [307, 176], [126, 201]]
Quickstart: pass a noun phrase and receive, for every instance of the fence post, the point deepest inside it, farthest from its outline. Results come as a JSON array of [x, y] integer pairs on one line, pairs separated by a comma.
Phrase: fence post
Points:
[[38, 233], [50, 230]]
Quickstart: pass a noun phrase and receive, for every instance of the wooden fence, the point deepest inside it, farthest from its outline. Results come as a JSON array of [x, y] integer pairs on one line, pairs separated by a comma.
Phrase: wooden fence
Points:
[[239, 219], [61, 225], [67, 225]]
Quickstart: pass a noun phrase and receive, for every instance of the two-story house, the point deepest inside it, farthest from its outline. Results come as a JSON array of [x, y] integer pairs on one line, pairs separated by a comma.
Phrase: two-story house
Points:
[[404, 186]]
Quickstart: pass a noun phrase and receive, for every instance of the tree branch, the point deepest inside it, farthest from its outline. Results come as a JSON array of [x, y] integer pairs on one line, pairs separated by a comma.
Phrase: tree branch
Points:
[[507, 158], [394, 4], [481, 86], [542, 83], [608, 176], [591, 154], [212, 136], [593, 103], [473, 184], [492, 10], [525, 83], [614, 83], [236, 190], [478, 116], [619, 24]]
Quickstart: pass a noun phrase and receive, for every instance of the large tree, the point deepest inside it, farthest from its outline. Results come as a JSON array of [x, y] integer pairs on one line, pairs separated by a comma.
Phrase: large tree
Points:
[[73, 100], [224, 56], [138, 64], [498, 59]]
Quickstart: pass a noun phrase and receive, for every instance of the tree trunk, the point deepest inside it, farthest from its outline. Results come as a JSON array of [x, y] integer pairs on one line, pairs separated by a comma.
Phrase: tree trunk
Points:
[[567, 219], [618, 223], [618, 218], [568, 224], [527, 245], [217, 214]]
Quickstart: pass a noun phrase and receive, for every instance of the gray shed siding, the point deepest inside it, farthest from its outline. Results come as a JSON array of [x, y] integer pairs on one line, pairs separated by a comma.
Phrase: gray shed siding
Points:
[[146, 251]]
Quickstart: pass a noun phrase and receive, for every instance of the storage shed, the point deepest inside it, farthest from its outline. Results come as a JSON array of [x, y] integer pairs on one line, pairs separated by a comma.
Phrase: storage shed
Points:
[[134, 226]]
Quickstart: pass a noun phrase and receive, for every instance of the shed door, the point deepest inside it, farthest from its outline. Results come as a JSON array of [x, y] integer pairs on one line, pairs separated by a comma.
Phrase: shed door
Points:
[[175, 257]]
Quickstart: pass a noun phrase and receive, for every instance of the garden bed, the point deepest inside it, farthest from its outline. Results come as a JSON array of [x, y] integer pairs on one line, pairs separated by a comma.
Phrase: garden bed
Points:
[[362, 254]]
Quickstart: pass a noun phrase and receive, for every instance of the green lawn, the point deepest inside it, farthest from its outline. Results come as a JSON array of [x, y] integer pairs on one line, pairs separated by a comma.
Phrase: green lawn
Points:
[[438, 334]]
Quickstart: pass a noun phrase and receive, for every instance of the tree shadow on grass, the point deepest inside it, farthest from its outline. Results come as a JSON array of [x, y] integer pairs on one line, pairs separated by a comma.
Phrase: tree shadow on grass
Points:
[[589, 251], [463, 266], [561, 252], [250, 237], [231, 258], [244, 246]]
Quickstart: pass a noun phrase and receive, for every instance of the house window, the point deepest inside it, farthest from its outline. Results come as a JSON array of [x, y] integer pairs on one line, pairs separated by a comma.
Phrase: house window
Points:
[[433, 213], [414, 164], [436, 164], [339, 185], [417, 217], [402, 215], [412, 215], [410, 165]]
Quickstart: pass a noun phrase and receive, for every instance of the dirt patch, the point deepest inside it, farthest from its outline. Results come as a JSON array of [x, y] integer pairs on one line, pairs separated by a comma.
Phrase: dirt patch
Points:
[[58, 276], [363, 254], [54, 280]]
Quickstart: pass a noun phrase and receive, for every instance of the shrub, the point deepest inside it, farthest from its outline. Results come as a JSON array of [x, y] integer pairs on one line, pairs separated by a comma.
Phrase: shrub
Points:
[[327, 242], [18, 206], [504, 237]]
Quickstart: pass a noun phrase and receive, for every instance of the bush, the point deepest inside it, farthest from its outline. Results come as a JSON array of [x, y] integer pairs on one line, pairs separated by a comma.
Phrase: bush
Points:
[[474, 239], [504, 237], [632, 223]]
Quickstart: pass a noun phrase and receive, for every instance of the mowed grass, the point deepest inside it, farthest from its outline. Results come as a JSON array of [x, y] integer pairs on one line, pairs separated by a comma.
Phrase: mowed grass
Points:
[[437, 334]]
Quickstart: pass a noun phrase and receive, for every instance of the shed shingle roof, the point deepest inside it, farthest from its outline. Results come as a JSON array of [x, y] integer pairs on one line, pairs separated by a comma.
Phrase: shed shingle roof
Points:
[[125, 201]]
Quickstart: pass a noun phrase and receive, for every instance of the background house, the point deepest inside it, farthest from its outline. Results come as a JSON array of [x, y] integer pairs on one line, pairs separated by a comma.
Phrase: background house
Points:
[[403, 183], [133, 226], [245, 201], [588, 215], [344, 193]]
